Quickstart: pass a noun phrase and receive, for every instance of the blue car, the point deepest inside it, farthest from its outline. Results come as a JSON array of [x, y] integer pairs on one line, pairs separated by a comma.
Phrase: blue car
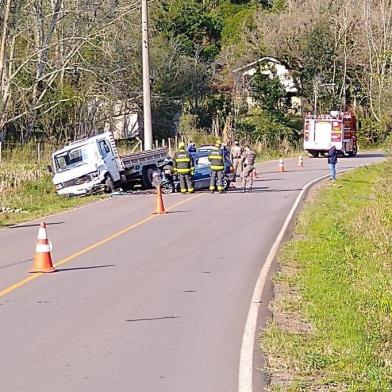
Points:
[[202, 175]]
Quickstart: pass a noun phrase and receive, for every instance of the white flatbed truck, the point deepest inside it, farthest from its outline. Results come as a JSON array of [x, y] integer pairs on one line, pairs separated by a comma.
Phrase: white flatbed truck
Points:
[[94, 165]]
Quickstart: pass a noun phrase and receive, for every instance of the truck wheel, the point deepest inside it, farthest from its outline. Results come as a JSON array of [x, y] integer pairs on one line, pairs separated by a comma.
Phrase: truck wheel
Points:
[[354, 152], [314, 154], [109, 185], [147, 176]]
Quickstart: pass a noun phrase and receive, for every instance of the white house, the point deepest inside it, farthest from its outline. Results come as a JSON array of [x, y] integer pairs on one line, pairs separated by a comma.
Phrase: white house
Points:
[[272, 67]]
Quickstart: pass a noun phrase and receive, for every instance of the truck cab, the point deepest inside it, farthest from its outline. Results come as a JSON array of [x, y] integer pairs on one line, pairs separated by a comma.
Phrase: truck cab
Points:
[[86, 166]]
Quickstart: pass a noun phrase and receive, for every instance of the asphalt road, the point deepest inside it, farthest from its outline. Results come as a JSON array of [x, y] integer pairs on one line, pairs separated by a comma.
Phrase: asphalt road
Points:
[[143, 303]]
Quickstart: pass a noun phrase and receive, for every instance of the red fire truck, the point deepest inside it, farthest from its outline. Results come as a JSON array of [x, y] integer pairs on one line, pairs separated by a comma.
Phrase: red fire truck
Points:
[[323, 131]]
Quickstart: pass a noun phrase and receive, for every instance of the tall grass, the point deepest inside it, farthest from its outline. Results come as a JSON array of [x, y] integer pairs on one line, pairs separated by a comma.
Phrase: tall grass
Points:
[[13, 176], [336, 281], [26, 188], [30, 153]]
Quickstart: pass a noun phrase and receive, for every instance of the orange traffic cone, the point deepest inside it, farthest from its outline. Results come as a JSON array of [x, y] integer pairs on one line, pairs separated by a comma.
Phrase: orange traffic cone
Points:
[[160, 207], [42, 258], [300, 161], [281, 166]]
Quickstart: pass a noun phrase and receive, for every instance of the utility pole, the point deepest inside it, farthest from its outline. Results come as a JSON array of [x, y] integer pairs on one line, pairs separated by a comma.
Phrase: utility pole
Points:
[[146, 80], [315, 100]]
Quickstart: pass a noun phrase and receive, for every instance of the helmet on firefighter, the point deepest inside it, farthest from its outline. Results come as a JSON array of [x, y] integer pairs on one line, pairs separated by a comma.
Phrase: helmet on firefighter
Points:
[[181, 145], [218, 143]]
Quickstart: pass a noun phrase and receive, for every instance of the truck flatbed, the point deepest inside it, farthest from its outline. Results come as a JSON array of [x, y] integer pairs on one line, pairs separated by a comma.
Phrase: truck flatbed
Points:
[[144, 158]]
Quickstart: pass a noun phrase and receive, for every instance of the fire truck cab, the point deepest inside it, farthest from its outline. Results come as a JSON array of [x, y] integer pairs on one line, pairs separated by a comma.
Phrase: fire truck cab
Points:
[[337, 128]]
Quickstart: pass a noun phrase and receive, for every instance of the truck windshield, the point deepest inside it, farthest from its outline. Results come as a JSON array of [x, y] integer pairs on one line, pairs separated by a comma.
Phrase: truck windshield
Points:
[[71, 158]]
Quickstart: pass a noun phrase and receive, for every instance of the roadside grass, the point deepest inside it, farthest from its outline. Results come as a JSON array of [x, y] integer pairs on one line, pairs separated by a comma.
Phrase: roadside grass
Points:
[[28, 153], [332, 311], [27, 192]]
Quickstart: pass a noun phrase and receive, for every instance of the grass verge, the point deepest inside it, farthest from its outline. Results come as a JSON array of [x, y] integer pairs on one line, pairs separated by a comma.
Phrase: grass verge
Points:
[[332, 311], [27, 192]]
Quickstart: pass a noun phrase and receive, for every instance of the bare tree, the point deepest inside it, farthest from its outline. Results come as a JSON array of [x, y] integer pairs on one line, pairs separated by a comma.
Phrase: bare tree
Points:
[[48, 47]]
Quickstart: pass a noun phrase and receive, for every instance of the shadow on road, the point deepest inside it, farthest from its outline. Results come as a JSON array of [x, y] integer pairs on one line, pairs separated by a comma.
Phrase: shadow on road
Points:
[[32, 225], [258, 179], [283, 190], [369, 155], [294, 171], [153, 319], [262, 189], [84, 268], [16, 263], [275, 172], [179, 211]]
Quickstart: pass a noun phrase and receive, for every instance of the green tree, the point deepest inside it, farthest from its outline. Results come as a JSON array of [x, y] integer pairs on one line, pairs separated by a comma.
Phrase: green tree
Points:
[[321, 65], [269, 92], [197, 30], [264, 128]]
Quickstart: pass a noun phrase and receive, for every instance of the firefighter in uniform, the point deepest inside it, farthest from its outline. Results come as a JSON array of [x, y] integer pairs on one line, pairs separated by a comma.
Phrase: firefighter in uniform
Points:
[[236, 158], [183, 165], [249, 158], [217, 161]]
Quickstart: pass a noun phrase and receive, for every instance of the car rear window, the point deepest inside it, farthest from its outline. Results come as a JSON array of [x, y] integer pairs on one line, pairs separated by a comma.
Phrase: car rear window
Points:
[[203, 160]]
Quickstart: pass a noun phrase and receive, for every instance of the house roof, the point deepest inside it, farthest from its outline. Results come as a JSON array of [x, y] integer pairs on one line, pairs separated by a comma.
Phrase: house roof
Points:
[[254, 63], [283, 72]]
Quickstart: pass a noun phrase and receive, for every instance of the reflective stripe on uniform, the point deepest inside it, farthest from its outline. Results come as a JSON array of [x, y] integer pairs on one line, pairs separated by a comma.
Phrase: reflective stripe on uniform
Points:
[[212, 188], [183, 166], [217, 168], [182, 162], [215, 157]]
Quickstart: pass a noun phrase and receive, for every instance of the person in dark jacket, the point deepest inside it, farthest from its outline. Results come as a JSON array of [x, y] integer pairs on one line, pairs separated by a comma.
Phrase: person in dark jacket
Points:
[[332, 161], [191, 147]]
